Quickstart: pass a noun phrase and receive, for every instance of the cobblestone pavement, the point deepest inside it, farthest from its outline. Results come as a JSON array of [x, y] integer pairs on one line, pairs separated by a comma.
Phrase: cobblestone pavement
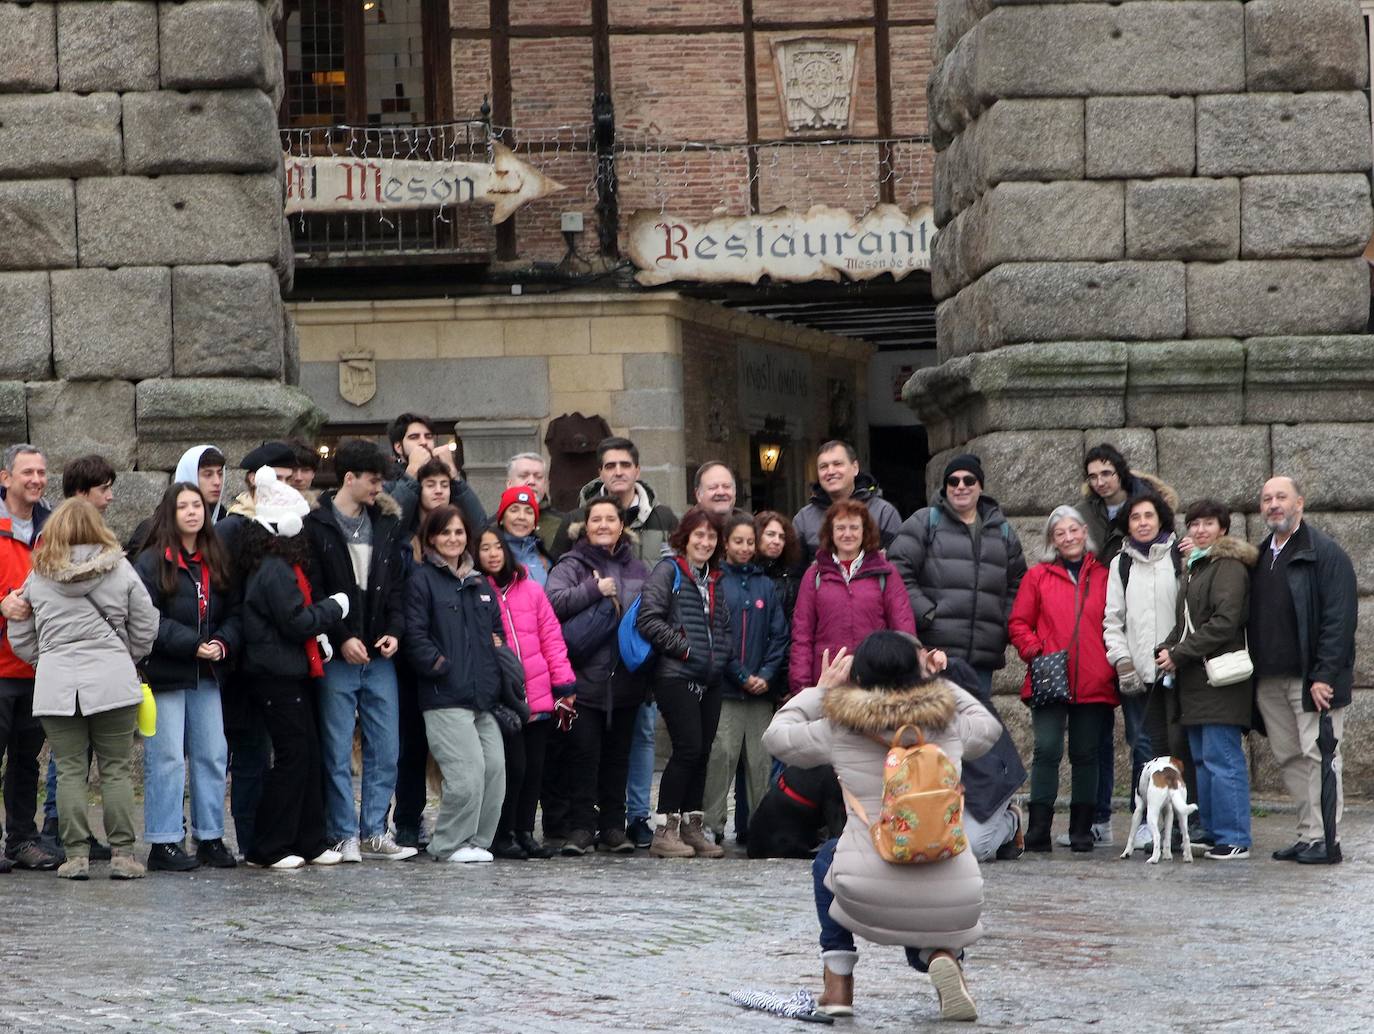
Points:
[[1074, 943]]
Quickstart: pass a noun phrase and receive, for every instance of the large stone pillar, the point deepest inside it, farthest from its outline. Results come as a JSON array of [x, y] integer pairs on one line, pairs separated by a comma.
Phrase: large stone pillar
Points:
[[1152, 221], [142, 245]]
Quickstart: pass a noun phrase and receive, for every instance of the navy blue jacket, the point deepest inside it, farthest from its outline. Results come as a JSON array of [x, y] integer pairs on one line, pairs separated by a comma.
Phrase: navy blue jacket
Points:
[[759, 629], [448, 629]]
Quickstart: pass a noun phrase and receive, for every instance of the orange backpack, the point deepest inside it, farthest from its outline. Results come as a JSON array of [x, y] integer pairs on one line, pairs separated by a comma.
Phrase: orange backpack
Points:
[[922, 818]]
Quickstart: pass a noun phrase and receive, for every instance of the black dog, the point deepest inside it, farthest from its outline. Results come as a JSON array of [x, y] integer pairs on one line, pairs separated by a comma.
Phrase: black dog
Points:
[[801, 810]]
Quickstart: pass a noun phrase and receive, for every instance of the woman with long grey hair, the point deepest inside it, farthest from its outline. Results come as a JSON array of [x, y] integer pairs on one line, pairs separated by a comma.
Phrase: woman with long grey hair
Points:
[[1056, 627]]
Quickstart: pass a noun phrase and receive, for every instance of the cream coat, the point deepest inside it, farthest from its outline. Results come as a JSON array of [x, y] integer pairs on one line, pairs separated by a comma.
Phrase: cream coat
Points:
[[80, 656], [1138, 620], [921, 906]]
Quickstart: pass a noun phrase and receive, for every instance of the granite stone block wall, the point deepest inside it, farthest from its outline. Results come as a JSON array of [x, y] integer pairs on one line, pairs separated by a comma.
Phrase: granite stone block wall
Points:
[[141, 230], [1152, 224]]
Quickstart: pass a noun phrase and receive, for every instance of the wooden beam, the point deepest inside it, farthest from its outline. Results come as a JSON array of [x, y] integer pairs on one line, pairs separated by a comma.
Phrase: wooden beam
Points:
[[502, 106], [701, 29], [751, 100], [882, 75]]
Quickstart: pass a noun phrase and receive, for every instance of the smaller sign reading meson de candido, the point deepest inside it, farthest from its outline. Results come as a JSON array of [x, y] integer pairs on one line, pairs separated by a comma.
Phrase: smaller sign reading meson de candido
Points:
[[821, 244]]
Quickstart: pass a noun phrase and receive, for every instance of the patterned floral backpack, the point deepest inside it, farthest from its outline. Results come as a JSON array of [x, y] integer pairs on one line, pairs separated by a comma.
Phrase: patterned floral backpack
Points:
[[922, 818]]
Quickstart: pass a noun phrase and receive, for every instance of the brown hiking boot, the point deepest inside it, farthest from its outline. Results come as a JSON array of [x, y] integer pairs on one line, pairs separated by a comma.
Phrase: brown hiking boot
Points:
[[693, 834], [667, 843], [124, 866]]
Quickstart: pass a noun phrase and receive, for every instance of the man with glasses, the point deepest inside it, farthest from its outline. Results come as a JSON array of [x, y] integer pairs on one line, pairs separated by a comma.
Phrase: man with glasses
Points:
[[961, 562], [1108, 482]]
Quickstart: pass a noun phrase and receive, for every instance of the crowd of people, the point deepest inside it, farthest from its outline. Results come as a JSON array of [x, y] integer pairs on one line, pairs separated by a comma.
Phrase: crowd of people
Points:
[[291, 637]]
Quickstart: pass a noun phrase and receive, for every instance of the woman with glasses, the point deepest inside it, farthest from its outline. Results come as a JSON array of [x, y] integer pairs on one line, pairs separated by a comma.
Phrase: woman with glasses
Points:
[[962, 563]]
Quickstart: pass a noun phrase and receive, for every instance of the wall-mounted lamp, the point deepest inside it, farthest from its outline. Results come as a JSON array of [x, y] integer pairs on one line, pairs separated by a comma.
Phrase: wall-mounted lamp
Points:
[[770, 451], [323, 450]]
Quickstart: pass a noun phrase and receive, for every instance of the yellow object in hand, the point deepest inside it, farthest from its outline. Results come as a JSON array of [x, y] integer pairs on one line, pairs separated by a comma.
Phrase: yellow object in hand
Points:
[[147, 713]]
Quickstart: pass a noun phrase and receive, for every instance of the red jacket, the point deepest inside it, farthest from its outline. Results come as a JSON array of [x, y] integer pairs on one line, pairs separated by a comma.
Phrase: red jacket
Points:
[[16, 560], [1042, 621], [836, 614], [535, 635]]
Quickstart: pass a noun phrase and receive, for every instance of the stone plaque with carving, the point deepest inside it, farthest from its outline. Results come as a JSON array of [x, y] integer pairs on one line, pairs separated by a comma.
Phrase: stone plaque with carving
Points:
[[816, 83], [357, 377]]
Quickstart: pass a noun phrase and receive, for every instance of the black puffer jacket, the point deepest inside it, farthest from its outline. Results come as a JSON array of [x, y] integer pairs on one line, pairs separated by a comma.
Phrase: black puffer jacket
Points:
[[449, 622], [380, 611], [590, 620], [688, 629], [182, 629], [961, 590], [277, 624], [787, 584]]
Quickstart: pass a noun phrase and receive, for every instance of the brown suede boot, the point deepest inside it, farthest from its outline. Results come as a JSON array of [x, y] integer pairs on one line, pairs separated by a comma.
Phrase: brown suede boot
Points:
[[837, 995], [667, 841], [693, 834]]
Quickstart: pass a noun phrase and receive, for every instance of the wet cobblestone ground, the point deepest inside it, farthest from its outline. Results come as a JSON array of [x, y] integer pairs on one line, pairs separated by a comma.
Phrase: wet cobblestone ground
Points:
[[1074, 943]]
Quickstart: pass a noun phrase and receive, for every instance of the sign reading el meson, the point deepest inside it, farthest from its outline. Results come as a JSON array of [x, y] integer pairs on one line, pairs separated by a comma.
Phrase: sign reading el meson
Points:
[[821, 244], [352, 184]]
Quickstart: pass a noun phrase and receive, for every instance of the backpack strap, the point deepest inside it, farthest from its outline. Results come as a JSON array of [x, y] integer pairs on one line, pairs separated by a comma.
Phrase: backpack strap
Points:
[[855, 806], [1124, 566]]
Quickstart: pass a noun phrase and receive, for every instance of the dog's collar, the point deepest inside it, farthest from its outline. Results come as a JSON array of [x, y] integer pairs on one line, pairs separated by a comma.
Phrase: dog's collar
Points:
[[782, 785]]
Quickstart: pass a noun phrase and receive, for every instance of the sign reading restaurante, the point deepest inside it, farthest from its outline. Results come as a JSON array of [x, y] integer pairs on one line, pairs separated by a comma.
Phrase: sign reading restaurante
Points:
[[820, 244], [353, 184]]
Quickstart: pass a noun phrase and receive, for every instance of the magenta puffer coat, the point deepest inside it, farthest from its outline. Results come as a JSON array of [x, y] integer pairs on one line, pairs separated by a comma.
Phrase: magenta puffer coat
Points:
[[832, 613], [535, 635]]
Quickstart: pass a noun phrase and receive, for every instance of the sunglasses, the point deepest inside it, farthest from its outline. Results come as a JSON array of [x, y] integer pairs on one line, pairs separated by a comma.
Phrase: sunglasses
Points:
[[968, 481]]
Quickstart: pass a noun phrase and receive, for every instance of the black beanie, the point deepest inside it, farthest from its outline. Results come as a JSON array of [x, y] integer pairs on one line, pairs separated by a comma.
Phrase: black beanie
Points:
[[965, 461]]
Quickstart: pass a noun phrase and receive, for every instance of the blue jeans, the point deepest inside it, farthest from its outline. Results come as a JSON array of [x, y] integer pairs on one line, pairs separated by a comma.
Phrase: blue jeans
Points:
[[190, 728], [1223, 781], [367, 693], [641, 780], [984, 679], [835, 937], [1133, 721]]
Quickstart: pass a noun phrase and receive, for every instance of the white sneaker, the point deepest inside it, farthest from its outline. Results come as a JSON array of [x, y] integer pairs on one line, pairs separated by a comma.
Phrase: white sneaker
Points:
[[383, 845], [1144, 839], [348, 850], [471, 854], [291, 861], [327, 857]]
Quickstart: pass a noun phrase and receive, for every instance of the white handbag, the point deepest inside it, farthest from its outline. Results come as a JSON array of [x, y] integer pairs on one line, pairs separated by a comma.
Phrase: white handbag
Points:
[[1225, 669]]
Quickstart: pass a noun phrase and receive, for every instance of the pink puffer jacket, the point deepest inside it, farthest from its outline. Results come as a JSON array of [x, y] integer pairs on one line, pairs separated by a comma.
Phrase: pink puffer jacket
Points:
[[537, 639]]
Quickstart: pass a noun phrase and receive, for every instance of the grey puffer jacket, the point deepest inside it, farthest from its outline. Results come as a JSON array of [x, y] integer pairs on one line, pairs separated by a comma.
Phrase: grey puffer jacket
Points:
[[921, 906], [92, 620], [961, 587]]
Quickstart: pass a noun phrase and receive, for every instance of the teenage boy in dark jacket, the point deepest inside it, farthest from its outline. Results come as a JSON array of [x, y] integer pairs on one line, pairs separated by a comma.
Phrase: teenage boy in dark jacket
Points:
[[354, 537]]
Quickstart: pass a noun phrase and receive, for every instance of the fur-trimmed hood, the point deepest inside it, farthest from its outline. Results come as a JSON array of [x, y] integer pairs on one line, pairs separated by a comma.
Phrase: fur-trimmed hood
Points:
[[930, 706], [1228, 547], [84, 567], [1139, 482]]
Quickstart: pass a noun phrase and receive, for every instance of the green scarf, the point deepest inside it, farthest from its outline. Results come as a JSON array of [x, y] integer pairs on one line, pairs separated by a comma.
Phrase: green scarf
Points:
[[1197, 554]]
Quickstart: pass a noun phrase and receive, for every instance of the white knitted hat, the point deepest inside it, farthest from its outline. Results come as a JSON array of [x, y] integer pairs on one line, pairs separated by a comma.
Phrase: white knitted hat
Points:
[[279, 507]]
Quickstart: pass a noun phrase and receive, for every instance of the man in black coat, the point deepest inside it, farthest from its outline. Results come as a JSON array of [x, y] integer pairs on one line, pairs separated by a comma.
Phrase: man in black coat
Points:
[[1303, 608], [355, 536]]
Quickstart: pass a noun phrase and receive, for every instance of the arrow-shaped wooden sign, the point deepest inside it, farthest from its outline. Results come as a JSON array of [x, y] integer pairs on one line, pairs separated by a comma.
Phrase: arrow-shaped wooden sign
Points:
[[349, 184]]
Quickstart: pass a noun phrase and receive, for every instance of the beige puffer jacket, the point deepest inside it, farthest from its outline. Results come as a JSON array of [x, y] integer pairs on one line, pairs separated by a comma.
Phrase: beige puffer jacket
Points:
[[80, 655], [936, 905]]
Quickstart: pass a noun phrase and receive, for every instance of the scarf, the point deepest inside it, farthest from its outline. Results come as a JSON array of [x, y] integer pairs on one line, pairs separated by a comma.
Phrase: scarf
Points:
[[1197, 554], [312, 648]]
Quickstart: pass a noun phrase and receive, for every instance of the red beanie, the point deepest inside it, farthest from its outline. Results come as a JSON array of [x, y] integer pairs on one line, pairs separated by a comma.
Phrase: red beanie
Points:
[[518, 494]]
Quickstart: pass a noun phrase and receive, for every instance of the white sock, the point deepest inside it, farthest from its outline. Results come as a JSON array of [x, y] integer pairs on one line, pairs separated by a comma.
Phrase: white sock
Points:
[[841, 963]]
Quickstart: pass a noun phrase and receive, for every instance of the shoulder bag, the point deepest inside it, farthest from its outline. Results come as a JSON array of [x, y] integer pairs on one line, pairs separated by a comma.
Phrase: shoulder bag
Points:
[[1049, 673], [1225, 669]]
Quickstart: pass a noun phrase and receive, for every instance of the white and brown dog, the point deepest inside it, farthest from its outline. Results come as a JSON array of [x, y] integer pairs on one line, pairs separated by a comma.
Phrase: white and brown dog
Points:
[[1162, 794]]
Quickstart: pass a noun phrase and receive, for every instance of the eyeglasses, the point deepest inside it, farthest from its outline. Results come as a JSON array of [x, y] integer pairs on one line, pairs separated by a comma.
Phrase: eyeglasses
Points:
[[967, 481]]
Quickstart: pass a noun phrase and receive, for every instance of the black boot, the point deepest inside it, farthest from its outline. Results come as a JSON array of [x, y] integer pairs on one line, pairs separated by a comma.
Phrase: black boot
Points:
[[533, 847], [1038, 828], [506, 847], [1081, 826]]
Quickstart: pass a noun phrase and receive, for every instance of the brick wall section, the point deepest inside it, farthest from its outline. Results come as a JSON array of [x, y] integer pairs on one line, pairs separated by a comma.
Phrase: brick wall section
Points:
[[698, 182], [811, 10], [845, 176], [471, 76], [690, 87], [551, 81], [550, 12], [907, 10], [911, 66], [674, 12], [469, 14], [538, 225]]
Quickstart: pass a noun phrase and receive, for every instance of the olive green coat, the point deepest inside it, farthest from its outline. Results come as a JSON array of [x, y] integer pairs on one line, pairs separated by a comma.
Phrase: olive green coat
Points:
[[1217, 591]]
